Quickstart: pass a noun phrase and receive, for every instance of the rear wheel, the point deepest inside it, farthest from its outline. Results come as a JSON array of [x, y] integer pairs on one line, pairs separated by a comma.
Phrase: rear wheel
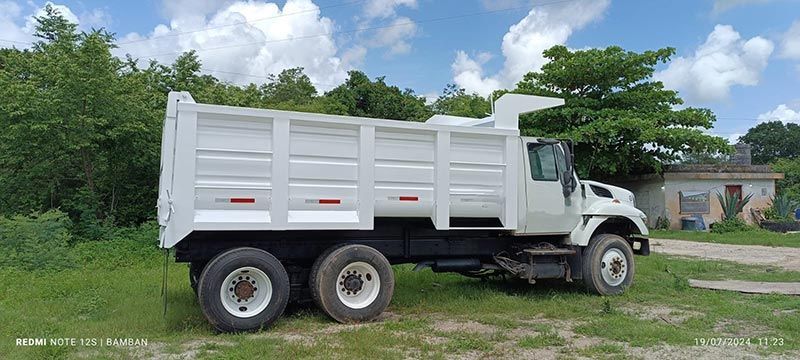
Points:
[[352, 283], [243, 289], [608, 266]]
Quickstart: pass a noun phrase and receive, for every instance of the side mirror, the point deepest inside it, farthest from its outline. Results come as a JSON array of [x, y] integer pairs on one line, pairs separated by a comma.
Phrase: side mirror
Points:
[[567, 179]]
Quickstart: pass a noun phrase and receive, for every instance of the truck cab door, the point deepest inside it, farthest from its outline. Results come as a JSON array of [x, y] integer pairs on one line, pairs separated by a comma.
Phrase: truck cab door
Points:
[[552, 206]]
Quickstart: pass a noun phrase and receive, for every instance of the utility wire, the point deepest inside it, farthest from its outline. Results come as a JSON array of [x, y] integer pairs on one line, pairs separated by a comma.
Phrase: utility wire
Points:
[[17, 42], [259, 76]]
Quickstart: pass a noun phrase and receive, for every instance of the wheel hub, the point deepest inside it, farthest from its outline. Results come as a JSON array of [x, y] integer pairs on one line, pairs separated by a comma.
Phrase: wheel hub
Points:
[[244, 289], [616, 266], [352, 283]]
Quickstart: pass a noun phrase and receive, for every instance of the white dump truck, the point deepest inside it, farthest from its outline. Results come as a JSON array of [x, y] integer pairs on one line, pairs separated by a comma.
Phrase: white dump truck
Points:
[[273, 206]]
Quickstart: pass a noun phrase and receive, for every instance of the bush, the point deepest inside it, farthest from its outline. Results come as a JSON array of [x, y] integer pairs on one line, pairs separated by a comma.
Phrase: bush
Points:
[[36, 242], [128, 246], [730, 225], [781, 208], [662, 223]]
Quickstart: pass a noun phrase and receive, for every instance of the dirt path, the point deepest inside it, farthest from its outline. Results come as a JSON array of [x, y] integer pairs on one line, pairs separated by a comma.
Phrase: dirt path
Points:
[[782, 257]]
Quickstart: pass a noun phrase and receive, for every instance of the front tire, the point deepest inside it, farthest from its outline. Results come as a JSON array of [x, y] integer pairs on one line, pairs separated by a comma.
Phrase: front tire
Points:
[[608, 265], [243, 289], [352, 283]]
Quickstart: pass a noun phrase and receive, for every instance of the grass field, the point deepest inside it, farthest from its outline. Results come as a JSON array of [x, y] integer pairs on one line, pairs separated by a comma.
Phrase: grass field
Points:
[[115, 293], [755, 237]]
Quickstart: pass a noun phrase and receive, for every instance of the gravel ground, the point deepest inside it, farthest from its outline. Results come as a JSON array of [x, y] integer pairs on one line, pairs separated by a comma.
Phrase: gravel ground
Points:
[[782, 257]]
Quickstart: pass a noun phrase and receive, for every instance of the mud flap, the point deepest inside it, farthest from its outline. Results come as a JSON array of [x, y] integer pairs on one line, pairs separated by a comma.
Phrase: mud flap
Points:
[[164, 282]]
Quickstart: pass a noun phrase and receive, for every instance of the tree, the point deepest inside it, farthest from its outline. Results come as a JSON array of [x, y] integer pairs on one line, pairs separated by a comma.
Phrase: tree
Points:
[[362, 97], [790, 184], [73, 133], [455, 101], [623, 122], [772, 140], [290, 86]]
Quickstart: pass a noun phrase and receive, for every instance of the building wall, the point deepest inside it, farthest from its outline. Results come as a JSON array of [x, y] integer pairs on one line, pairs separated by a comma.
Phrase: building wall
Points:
[[649, 197], [762, 190]]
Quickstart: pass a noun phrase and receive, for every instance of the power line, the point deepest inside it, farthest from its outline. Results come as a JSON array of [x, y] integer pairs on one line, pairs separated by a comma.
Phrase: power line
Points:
[[241, 22], [17, 42], [749, 119], [431, 20], [258, 76]]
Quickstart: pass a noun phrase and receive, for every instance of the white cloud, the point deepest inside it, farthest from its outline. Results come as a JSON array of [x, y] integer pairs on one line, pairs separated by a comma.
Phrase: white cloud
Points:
[[431, 97], [17, 35], [19, 28], [395, 36], [62, 9], [723, 61], [385, 8], [790, 44], [263, 30], [734, 138], [188, 8], [782, 113], [524, 43], [468, 74], [96, 18], [354, 56]]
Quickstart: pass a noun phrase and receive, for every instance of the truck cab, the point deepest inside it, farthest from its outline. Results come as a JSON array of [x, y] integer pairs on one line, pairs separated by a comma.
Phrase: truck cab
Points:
[[557, 202]]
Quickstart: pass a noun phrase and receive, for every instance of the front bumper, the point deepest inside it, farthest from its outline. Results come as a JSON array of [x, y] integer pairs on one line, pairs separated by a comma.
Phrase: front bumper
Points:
[[644, 245]]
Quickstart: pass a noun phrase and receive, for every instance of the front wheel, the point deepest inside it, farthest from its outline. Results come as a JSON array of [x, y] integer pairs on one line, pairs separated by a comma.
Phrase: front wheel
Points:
[[608, 266]]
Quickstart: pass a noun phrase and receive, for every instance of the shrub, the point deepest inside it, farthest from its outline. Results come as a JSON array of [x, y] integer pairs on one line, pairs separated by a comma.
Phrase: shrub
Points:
[[732, 204], [730, 225], [126, 246], [36, 242], [662, 223], [781, 208]]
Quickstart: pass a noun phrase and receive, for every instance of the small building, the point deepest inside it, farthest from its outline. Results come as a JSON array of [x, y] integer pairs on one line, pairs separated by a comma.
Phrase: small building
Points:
[[691, 189]]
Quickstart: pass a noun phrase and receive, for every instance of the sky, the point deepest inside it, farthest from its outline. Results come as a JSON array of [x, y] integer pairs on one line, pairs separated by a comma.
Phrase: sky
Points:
[[740, 58]]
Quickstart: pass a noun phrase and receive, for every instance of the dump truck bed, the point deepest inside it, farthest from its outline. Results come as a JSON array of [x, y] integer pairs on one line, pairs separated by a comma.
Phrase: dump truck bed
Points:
[[232, 168]]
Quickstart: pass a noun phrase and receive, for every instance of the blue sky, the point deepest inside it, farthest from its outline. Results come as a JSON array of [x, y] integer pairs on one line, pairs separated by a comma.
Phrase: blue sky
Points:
[[741, 58]]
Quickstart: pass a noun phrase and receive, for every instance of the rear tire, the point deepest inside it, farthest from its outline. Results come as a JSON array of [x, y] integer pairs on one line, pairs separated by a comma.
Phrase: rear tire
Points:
[[352, 283], [608, 265], [243, 289]]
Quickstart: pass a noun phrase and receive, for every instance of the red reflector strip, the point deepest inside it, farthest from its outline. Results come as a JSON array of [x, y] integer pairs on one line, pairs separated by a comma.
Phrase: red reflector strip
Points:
[[243, 200], [409, 198], [330, 201]]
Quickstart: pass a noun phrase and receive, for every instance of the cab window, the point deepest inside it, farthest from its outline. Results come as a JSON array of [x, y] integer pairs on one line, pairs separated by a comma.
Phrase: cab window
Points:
[[543, 162]]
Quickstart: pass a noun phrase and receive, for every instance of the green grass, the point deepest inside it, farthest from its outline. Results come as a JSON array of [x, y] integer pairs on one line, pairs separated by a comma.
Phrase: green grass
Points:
[[755, 237], [549, 338], [113, 295]]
